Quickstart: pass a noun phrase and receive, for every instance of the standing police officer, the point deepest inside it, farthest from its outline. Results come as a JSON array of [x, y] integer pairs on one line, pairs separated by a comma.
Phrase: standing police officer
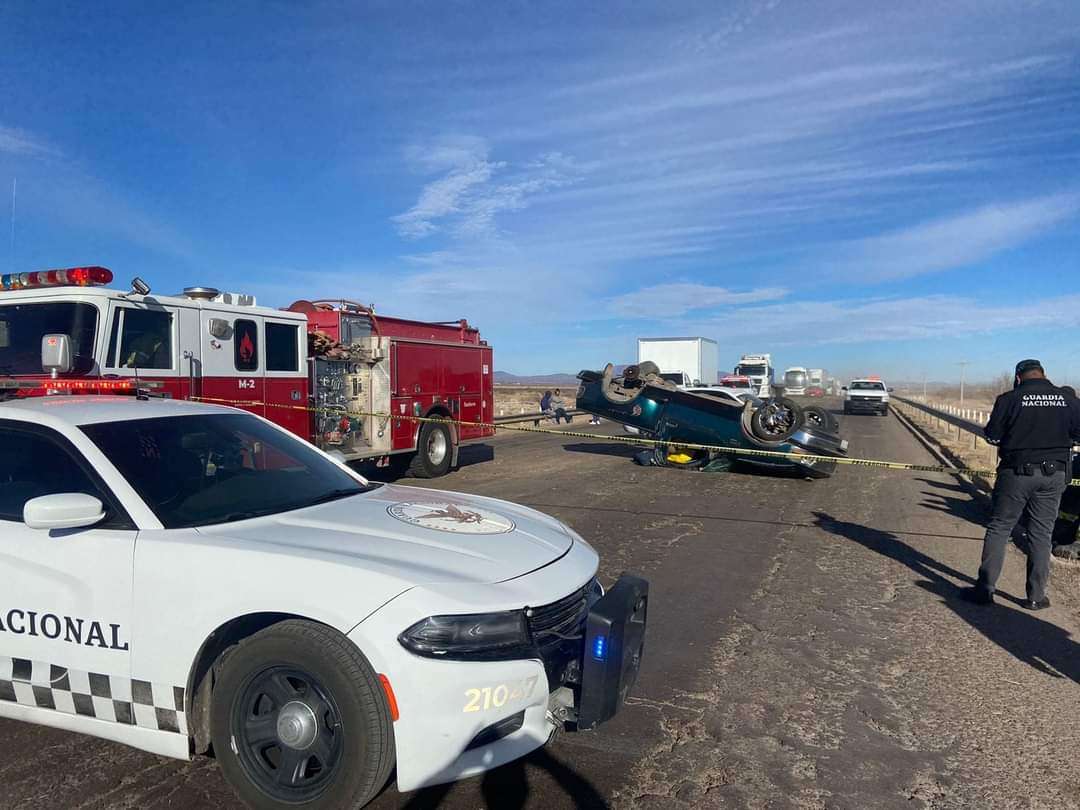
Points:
[[1035, 426]]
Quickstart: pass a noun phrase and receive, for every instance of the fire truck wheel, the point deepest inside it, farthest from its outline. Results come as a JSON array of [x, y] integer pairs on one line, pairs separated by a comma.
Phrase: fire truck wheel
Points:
[[433, 452], [299, 720]]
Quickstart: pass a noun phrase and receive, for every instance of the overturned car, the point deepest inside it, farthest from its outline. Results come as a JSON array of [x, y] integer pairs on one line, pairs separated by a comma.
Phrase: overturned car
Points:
[[642, 399]]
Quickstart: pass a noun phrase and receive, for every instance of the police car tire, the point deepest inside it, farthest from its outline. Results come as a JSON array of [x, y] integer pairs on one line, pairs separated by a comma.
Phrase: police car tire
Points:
[[367, 754], [421, 465]]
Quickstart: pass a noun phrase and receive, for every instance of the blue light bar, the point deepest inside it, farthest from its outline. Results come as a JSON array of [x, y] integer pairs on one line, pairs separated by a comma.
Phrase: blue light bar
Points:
[[599, 648]]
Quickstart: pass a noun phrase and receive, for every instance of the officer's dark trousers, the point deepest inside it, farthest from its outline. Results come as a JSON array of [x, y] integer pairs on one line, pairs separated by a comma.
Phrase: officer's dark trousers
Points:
[[1040, 495]]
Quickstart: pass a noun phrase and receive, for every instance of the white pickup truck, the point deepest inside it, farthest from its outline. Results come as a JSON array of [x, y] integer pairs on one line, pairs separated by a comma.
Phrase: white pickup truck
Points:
[[866, 396], [186, 578]]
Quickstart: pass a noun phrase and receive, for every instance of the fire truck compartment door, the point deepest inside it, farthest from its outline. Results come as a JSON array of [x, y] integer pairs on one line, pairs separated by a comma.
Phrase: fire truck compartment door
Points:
[[416, 369]]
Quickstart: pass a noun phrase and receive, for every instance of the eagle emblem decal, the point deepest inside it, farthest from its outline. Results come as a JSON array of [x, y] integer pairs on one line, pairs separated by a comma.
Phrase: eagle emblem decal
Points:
[[444, 516]]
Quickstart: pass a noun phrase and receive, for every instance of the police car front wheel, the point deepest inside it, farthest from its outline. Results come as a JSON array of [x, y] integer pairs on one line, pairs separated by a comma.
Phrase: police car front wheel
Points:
[[299, 720]]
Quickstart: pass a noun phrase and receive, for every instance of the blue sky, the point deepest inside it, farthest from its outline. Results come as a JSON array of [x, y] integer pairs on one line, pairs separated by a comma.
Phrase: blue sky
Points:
[[868, 187]]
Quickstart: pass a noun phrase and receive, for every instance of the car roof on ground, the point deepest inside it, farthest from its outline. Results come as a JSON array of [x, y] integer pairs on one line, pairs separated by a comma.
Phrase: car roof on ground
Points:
[[92, 409]]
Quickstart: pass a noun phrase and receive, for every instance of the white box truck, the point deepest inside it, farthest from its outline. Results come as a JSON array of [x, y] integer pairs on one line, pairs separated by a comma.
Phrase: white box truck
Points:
[[682, 360]]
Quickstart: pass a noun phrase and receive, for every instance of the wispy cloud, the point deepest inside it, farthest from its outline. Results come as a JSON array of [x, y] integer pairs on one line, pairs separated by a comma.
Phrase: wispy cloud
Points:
[[809, 323], [20, 142], [473, 189], [956, 241], [673, 300]]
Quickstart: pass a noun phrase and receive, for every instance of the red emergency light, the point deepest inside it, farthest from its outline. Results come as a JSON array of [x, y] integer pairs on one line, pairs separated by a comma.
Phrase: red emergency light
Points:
[[88, 384], [69, 277]]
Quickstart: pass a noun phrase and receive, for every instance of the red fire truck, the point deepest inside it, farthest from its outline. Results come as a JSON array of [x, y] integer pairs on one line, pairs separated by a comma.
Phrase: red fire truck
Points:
[[349, 395]]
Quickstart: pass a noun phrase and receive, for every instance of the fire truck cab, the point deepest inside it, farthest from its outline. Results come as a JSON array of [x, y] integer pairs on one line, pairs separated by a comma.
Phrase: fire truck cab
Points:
[[223, 348]]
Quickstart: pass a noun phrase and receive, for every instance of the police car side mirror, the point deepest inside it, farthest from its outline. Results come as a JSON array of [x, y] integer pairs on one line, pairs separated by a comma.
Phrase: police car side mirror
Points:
[[70, 510], [56, 353], [843, 388]]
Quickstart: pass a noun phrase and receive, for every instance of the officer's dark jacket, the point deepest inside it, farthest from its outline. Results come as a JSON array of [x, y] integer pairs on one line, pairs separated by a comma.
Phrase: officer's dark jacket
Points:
[[1036, 421]]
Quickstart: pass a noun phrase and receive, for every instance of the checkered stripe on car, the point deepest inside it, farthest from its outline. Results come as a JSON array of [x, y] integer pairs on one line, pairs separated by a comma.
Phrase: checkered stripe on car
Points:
[[128, 701]]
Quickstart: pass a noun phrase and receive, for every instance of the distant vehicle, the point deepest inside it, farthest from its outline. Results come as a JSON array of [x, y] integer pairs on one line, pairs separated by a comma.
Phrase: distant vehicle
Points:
[[816, 376], [815, 390], [759, 368], [690, 359], [795, 381], [867, 395], [728, 393], [679, 378], [740, 381]]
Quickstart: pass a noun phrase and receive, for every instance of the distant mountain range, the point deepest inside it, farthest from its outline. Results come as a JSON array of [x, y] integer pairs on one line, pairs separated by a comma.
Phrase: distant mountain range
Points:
[[506, 378]]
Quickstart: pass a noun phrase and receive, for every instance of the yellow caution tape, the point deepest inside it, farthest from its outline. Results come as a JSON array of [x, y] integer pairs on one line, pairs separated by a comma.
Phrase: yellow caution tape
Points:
[[632, 440]]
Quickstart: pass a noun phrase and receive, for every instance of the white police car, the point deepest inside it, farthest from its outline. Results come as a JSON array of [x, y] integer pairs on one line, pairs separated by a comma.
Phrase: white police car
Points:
[[187, 578]]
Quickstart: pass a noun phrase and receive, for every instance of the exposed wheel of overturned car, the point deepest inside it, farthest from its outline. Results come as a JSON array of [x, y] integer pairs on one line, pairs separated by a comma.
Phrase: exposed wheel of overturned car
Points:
[[776, 420], [640, 371], [818, 417]]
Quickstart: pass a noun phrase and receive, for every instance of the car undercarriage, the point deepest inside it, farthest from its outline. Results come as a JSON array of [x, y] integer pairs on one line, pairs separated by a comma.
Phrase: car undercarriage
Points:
[[673, 418]]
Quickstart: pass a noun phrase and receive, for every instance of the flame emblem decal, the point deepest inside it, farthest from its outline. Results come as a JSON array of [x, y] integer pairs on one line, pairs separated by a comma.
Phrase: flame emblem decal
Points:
[[247, 348]]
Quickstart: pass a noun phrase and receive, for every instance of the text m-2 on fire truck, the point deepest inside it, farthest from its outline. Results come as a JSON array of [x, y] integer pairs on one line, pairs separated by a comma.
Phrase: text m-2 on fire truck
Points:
[[334, 373]]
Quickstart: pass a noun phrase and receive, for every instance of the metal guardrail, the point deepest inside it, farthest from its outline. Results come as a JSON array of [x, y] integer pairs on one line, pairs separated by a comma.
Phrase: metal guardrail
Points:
[[514, 418], [955, 416]]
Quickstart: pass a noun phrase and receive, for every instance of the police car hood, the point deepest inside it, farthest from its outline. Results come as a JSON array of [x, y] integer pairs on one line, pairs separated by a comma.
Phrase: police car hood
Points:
[[418, 535]]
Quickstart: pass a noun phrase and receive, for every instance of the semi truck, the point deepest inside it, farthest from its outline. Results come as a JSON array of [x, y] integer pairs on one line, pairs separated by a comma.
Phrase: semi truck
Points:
[[332, 372], [682, 360], [759, 368]]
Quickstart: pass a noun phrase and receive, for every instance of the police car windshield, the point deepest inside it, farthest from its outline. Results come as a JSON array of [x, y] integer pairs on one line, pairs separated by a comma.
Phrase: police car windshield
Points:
[[866, 385], [217, 468], [23, 325]]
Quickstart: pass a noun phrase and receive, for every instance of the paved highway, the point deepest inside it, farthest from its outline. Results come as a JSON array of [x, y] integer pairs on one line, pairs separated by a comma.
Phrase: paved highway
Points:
[[807, 649]]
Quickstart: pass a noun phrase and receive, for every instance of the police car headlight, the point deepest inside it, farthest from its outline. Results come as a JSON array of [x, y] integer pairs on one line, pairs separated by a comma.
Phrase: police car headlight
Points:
[[476, 636]]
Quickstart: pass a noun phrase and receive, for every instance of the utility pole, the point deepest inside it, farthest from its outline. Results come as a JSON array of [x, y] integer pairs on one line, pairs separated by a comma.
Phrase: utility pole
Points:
[[924, 386], [13, 182], [963, 365]]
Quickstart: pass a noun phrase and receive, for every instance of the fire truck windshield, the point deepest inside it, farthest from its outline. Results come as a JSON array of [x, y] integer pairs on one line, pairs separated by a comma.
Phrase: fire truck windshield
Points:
[[219, 468], [23, 325]]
